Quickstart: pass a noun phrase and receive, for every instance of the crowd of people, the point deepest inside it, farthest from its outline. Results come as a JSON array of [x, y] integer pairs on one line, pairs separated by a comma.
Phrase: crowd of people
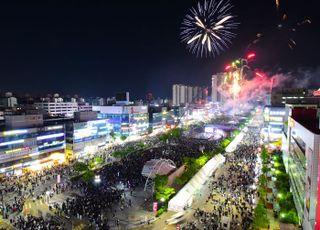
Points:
[[125, 175], [95, 200], [233, 193], [36, 223]]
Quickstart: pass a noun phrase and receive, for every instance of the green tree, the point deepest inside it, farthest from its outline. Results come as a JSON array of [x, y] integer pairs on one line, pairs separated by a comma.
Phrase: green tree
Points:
[[99, 160], [113, 135], [80, 167], [88, 176], [123, 138], [260, 217]]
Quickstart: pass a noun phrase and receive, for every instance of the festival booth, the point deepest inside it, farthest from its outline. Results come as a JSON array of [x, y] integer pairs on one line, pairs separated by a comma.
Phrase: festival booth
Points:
[[184, 197], [232, 146]]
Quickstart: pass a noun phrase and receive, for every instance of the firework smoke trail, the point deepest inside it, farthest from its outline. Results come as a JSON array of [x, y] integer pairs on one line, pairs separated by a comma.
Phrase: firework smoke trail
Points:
[[206, 30], [239, 93]]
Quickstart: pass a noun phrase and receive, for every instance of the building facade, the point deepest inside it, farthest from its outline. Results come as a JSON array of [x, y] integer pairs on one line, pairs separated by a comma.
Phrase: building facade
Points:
[[216, 81], [183, 94], [31, 147], [85, 138], [301, 147], [125, 120], [58, 108]]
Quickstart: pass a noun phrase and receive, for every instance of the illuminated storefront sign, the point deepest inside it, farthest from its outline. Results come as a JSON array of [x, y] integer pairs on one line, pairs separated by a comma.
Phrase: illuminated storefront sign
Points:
[[12, 142], [277, 113], [50, 136], [15, 132], [55, 127]]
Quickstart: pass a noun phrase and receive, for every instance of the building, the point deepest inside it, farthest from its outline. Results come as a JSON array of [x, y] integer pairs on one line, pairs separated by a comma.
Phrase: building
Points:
[[123, 98], [84, 106], [301, 145], [84, 138], [183, 95], [125, 120], [156, 120], [216, 81], [58, 108], [31, 148], [279, 96], [274, 118], [8, 101], [23, 121]]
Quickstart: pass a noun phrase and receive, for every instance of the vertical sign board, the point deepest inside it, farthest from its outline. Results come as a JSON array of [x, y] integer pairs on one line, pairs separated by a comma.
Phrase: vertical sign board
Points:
[[155, 208], [58, 179]]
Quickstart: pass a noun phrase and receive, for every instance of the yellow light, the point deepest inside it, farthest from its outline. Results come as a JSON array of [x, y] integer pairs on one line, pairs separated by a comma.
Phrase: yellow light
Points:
[[13, 150]]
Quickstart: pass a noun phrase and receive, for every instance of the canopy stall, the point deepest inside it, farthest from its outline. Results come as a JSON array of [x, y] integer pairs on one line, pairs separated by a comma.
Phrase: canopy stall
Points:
[[184, 197]]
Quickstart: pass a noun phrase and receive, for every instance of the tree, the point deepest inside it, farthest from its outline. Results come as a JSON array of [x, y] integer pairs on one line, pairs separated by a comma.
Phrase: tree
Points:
[[87, 176], [113, 135], [260, 217], [98, 160], [80, 167], [123, 138]]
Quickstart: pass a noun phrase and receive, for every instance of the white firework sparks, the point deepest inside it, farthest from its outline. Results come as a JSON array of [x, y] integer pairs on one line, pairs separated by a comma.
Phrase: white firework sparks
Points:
[[207, 29]]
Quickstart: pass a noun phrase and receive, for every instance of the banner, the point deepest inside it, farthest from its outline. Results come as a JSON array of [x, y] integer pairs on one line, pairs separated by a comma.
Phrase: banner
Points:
[[155, 208]]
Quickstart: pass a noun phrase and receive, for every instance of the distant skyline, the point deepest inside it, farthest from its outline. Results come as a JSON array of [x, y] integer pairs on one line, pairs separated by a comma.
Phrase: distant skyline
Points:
[[98, 49]]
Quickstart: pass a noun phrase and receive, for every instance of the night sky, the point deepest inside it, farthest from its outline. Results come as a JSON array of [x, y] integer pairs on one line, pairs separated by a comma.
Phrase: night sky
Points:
[[99, 48]]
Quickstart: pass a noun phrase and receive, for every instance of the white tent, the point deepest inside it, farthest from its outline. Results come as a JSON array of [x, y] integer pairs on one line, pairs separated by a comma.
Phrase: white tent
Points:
[[232, 146], [185, 196]]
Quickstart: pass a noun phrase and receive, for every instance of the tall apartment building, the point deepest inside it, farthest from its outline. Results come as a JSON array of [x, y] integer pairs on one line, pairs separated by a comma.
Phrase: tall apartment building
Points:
[[217, 79], [182, 94]]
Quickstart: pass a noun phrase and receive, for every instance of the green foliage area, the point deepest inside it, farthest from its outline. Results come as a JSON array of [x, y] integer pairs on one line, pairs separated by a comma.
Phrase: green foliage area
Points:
[[113, 135], [171, 134], [161, 211], [80, 167], [264, 155], [265, 169], [126, 152], [289, 217], [163, 193], [193, 165], [88, 176], [235, 132], [286, 202], [263, 181], [98, 160], [260, 217], [123, 138], [225, 142], [141, 145], [288, 213], [262, 194]]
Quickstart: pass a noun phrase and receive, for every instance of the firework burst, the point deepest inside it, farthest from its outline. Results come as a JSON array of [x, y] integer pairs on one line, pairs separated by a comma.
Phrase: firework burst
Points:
[[206, 30]]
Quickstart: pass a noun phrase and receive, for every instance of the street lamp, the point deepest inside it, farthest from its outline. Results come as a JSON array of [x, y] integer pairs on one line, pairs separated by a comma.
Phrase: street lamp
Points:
[[97, 179]]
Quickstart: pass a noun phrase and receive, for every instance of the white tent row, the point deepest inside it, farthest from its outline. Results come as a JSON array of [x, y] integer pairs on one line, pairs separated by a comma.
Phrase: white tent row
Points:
[[233, 145], [185, 196]]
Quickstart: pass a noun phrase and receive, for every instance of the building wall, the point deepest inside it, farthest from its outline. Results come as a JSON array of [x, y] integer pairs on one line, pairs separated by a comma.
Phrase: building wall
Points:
[[303, 165], [84, 138], [58, 108], [125, 120], [23, 121], [22, 147]]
